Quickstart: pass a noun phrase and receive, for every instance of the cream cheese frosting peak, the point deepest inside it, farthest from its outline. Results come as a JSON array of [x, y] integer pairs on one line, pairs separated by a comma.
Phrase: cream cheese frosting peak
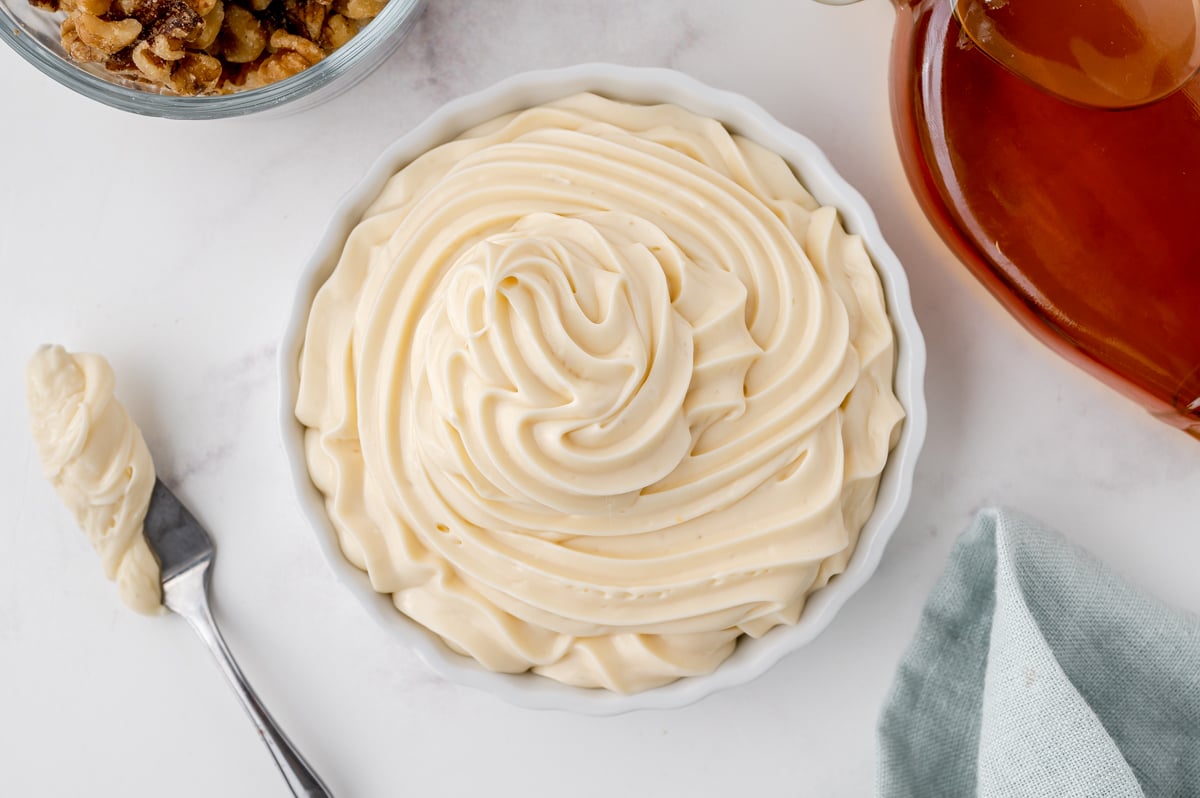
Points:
[[597, 388], [96, 459]]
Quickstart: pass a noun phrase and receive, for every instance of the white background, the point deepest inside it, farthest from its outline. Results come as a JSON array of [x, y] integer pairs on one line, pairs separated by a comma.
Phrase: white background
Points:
[[173, 249]]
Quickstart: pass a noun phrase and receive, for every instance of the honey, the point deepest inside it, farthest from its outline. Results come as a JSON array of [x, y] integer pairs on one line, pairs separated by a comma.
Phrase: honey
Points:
[[1099, 53], [1084, 223]]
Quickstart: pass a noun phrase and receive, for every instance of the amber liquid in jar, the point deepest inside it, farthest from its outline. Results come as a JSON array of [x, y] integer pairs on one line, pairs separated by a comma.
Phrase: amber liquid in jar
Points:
[[1084, 223], [1099, 53]]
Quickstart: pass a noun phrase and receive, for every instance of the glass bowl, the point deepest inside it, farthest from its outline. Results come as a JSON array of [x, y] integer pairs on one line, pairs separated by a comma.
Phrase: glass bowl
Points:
[[638, 85], [34, 35]]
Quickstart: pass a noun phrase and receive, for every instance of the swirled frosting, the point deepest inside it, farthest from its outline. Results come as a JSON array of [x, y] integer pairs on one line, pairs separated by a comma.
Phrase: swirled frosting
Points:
[[597, 388], [96, 459]]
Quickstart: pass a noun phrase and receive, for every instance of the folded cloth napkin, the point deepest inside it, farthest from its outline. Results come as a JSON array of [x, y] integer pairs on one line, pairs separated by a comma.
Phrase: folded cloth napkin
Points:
[[1037, 672]]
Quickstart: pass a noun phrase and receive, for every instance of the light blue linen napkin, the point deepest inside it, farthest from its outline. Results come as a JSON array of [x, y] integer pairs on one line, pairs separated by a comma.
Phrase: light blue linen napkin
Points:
[[1037, 672]]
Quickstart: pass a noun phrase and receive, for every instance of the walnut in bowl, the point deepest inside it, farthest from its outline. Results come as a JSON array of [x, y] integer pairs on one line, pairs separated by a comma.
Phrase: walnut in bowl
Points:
[[204, 59]]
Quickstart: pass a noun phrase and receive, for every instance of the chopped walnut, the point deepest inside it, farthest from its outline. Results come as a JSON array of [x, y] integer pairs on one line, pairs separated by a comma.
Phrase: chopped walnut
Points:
[[337, 31], [172, 18], [359, 9], [307, 17], [194, 47], [122, 64], [207, 34], [75, 47], [168, 48], [282, 41], [154, 68], [282, 65], [107, 37], [242, 38], [197, 73], [94, 7]]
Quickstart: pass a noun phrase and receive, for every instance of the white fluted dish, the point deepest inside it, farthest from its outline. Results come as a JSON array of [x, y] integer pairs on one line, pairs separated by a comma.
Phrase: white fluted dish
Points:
[[752, 656]]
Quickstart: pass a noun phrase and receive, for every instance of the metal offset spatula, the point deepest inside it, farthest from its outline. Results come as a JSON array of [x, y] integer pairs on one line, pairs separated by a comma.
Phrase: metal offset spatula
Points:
[[185, 554]]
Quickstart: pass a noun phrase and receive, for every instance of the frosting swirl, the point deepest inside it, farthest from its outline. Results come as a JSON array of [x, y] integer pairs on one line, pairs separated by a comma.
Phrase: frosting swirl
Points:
[[96, 459], [597, 388]]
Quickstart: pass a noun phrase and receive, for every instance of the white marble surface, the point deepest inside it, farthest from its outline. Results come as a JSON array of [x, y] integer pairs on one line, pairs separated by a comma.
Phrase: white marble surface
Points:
[[173, 248]]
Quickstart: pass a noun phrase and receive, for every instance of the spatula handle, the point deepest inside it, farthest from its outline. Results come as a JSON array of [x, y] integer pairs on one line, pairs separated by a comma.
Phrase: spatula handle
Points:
[[191, 601]]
